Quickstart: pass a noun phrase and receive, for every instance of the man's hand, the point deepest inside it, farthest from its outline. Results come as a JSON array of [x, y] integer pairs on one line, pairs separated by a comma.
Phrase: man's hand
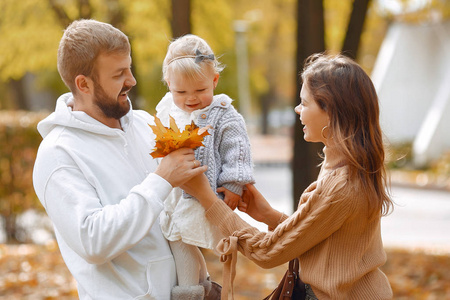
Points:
[[231, 199], [179, 166]]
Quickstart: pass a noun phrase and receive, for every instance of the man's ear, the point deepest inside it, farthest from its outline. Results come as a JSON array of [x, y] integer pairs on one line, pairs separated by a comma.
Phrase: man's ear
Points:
[[83, 84]]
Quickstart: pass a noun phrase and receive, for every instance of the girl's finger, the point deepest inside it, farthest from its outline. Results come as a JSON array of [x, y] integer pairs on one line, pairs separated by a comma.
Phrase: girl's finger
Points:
[[242, 206], [220, 189]]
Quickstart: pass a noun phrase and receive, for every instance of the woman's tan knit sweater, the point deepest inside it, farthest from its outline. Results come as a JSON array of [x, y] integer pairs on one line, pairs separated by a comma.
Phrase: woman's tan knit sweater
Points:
[[337, 242]]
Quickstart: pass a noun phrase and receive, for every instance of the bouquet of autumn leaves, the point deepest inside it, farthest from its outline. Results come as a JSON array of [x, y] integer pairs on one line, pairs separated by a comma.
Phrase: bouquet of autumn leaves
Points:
[[170, 138]]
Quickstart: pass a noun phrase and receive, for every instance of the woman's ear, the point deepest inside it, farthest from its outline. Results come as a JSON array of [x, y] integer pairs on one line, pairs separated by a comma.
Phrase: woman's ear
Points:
[[83, 84]]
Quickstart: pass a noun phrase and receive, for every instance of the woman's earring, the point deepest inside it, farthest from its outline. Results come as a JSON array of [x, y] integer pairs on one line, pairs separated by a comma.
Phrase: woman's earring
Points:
[[323, 129]]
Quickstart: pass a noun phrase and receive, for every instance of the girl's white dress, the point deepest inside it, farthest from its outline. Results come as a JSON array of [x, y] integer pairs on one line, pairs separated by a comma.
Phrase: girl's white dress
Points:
[[183, 218]]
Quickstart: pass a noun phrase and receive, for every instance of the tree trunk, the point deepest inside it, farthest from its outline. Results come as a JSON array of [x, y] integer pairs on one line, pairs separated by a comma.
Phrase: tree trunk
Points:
[[355, 28], [18, 93], [266, 101], [181, 14], [310, 39], [11, 228]]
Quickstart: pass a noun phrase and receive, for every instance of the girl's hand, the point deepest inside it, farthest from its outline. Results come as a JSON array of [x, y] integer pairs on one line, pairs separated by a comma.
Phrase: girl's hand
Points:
[[255, 205], [231, 199]]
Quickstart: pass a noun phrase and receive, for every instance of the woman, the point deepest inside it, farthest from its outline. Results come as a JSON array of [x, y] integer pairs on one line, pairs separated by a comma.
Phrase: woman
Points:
[[335, 231]]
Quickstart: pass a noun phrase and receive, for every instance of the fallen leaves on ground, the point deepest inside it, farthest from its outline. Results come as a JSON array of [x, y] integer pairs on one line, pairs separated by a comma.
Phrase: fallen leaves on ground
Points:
[[418, 275], [32, 272], [39, 273]]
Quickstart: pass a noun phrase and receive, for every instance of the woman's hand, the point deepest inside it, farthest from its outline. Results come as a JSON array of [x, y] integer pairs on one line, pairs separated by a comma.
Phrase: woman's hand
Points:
[[199, 187], [256, 206]]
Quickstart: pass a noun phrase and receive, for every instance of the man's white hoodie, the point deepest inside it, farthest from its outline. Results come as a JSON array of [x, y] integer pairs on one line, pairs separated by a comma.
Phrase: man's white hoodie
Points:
[[97, 186]]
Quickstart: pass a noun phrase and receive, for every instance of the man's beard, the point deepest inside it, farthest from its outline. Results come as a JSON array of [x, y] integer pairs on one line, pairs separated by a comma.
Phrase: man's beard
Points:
[[110, 107]]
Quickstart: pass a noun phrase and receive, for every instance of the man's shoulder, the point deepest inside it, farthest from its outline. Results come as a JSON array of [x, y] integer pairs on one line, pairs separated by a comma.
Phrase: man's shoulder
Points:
[[139, 113], [60, 141], [142, 116]]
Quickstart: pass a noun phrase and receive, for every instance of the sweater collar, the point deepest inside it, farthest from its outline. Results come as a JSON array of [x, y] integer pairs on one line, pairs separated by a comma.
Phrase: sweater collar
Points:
[[333, 160]]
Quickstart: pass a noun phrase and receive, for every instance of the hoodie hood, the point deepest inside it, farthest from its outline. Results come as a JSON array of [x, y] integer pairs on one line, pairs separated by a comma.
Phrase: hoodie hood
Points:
[[64, 116]]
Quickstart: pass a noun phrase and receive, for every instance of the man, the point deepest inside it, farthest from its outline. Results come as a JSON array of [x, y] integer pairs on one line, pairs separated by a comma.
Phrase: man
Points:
[[95, 177]]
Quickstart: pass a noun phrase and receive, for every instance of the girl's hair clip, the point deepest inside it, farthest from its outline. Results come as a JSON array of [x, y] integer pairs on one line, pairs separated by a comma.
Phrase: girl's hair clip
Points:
[[199, 57]]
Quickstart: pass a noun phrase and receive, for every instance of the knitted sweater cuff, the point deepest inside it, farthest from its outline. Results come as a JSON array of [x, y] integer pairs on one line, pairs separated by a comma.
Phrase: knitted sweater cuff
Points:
[[234, 187], [223, 217]]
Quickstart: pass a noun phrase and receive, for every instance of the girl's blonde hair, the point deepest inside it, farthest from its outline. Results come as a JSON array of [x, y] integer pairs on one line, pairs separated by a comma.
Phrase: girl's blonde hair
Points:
[[342, 89], [82, 42], [186, 55]]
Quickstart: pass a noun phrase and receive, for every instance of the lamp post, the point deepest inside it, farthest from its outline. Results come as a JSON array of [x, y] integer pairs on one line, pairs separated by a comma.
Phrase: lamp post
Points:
[[240, 29]]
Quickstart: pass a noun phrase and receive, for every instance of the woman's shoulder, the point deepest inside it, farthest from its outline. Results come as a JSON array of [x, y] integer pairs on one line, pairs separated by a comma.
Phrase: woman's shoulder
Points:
[[339, 186], [334, 190], [335, 181]]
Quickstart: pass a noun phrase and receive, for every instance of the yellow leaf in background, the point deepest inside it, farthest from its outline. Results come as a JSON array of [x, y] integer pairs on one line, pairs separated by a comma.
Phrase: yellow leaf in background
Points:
[[170, 139]]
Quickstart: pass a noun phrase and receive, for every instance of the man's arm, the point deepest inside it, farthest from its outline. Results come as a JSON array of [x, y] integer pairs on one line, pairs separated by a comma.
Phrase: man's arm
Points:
[[98, 232]]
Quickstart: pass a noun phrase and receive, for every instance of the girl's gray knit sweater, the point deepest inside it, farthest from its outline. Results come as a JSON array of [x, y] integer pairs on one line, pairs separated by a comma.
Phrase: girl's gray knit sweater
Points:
[[226, 150]]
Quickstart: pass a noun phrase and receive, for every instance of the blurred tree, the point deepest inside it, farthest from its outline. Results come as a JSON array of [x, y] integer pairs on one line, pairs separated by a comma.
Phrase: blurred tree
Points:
[[21, 27], [268, 98], [279, 46], [148, 24], [310, 39], [271, 40], [41, 23], [181, 17], [19, 140], [355, 28], [271, 47]]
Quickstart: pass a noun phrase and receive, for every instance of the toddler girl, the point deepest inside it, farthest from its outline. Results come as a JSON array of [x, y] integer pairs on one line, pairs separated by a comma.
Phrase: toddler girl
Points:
[[191, 72]]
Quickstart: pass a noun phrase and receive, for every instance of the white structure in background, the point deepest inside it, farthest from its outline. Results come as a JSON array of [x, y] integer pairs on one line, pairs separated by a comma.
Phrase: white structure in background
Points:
[[412, 79]]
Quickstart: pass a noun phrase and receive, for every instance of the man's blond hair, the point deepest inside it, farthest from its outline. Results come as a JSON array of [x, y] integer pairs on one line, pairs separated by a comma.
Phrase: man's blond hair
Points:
[[82, 42]]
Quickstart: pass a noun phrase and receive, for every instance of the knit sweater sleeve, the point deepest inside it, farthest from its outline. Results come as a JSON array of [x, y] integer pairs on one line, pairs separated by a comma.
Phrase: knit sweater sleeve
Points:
[[324, 208], [235, 153]]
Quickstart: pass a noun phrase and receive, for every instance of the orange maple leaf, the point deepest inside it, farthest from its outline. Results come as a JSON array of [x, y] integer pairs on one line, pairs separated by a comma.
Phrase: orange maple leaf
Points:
[[171, 138]]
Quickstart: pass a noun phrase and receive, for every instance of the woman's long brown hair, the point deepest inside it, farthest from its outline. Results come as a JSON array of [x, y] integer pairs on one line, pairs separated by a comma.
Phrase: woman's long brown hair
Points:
[[342, 89]]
